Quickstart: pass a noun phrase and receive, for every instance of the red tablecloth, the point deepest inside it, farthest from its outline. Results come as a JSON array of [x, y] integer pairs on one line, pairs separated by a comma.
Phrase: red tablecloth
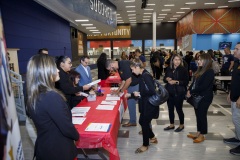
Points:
[[114, 79], [106, 140]]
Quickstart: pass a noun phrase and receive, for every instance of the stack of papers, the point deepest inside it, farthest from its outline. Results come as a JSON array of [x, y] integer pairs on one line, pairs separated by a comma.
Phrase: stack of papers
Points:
[[112, 98], [109, 102], [80, 111], [78, 120], [105, 107], [98, 127]]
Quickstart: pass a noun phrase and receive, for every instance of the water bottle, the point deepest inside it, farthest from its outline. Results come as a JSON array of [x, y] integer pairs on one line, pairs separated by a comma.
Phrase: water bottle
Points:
[[99, 89]]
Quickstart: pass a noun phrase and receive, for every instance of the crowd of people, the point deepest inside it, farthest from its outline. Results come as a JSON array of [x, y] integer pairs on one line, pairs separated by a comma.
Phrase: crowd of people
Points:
[[53, 88]]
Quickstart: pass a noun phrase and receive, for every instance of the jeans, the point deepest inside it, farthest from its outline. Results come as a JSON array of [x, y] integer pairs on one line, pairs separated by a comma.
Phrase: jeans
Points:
[[236, 119], [132, 104], [177, 102]]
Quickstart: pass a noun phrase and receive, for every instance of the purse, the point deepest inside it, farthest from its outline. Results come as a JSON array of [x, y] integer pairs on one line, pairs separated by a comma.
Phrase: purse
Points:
[[195, 100], [161, 95]]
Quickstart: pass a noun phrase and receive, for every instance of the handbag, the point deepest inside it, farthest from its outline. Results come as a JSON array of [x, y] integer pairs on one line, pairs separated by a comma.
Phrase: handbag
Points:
[[195, 100], [161, 95]]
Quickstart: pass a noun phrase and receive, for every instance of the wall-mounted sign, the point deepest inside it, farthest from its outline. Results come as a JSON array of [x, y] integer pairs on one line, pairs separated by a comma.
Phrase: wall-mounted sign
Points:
[[100, 10], [120, 32]]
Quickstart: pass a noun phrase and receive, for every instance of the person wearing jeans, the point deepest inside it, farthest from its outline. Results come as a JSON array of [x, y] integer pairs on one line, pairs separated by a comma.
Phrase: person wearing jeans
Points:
[[132, 105], [234, 98]]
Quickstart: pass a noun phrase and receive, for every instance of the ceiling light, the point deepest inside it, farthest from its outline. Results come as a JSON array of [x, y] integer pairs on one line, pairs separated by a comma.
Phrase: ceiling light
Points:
[[147, 13], [118, 14], [86, 24], [120, 22], [131, 11], [159, 19], [81, 20], [151, 4], [173, 18], [146, 19], [131, 14], [94, 30], [132, 18], [169, 5], [146, 16], [184, 8], [176, 15], [129, 1], [222, 6], [170, 21], [208, 3], [180, 12], [164, 10], [191, 3], [234, 1], [148, 9], [119, 17], [130, 6], [90, 27], [162, 14]]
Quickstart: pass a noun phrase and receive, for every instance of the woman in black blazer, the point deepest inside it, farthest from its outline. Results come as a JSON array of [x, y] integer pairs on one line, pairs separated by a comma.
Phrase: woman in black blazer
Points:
[[65, 85], [202, 85], [103, 73], [147, 110], [49, 111], [176, 77]]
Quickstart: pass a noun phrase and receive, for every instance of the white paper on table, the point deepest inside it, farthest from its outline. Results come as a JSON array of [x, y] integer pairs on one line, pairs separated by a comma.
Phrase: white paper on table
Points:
[[114, 88], [79, 114], [98, 127], [109, 102], [112, 98], [80, 109], [105, 107], [78, 120], [84, 94], [94, 82], [112, 95]]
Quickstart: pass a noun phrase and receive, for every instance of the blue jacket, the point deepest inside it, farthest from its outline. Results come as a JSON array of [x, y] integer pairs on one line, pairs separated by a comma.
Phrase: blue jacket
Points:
[[84, 79]]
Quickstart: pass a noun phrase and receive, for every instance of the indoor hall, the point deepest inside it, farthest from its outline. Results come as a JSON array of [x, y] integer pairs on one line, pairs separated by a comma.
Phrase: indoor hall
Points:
[[171, 145]]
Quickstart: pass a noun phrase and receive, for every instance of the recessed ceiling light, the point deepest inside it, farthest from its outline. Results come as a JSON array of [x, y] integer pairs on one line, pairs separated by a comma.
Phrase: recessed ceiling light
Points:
[[120, 22], [164, 10], [132, 18], [117, 14], [131, 11], [148, 9], [176, 15], [86, 24], [94, 30], [180, 12], [191, 3], [129, 1], [146, 16], [151, 4], [208, 3], [160, 19], [90, 27], [169, 5], [233, 0], [222, 6], [147, 13], [173, 18], [133, 22], [146, 19], [184, 8], [170, 21], [119, 17], [130, 6], [162, 14], [131, 14], [81, 20]]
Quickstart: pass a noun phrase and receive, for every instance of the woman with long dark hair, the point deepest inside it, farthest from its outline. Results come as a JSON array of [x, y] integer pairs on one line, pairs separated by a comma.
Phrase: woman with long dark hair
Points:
[[103, 73], [202, 85], [49, 111], [176, 79]]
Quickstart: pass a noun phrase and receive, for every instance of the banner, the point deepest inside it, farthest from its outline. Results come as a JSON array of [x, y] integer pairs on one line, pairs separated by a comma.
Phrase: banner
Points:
[[10, 139]]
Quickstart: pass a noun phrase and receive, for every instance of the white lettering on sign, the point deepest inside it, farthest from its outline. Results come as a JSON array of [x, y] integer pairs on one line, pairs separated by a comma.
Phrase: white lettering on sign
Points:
[[101, 8]]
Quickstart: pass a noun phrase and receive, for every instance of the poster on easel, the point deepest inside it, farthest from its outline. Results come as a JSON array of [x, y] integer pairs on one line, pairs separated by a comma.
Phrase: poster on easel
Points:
[[10, 139]]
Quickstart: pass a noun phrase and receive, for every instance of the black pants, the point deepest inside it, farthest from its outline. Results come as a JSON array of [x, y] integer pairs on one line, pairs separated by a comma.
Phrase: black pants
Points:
[[225, 72], [201, 116], [146, 129], [175, 101], [153, 70]]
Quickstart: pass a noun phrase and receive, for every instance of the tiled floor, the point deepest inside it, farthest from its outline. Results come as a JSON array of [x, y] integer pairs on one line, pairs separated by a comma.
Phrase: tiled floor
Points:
[[171, 145]]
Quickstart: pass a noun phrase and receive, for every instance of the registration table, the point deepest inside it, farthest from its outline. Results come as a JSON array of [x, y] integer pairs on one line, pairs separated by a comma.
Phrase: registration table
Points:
[[106, 140], [114, 79]]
